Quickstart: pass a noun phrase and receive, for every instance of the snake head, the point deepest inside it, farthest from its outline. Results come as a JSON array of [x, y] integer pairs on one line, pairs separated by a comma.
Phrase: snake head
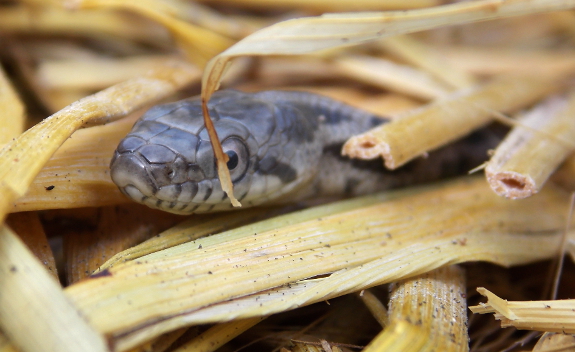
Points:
[[167, 161]]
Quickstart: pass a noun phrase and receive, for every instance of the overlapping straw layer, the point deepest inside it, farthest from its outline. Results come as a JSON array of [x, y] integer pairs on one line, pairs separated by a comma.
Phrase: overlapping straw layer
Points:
[[363, 242]]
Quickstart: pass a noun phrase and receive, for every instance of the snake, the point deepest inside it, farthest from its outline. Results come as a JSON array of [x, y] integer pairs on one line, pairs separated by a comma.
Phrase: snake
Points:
[[282, 146]]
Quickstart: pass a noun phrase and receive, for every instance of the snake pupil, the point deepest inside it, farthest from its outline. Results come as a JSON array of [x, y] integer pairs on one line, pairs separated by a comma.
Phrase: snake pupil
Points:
[[233, 159]]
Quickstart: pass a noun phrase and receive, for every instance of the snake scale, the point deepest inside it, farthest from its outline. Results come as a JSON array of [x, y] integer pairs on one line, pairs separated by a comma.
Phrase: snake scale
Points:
[[282, 145]]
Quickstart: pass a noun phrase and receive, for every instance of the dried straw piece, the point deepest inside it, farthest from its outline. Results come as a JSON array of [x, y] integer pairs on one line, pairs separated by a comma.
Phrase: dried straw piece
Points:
[[534, 149], [219, 335], [24, 18], [427, 58], [96, 73], [445, 120], [50, 322], [199, 44], [5, 345], [375, 306], [29, 228], [12, 117], [22, 159], [364, 247], [391, 76], [435, 303], [551, 316], [328, 5], [164, 342], [78, 174], [508, 61], [118, 228], [551, 341]]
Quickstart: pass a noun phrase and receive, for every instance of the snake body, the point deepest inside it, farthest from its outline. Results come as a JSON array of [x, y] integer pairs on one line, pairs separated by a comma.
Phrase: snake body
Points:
[[282, 146]]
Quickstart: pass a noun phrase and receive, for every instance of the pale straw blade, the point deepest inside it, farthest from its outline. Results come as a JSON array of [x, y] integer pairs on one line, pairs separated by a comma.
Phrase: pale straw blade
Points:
[[551, 316], [50, 322], [12, 117]]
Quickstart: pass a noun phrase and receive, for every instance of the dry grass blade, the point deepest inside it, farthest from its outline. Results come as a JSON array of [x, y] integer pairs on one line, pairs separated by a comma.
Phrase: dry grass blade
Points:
[[523, 162], [502, 61], [551, 316], [199, 44], [329, 5], [429, 59], [29, 228], [362, 246], [555, 342], [438, 123], [118, 228], [51, 323], [435, 303], [11, 111], [78, 175], [391, 76], [5, 345], [96, 73], [22, 159], [41, 18]]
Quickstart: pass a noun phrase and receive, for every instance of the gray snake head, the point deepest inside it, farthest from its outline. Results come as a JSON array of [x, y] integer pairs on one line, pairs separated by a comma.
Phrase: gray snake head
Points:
[[167, 161]]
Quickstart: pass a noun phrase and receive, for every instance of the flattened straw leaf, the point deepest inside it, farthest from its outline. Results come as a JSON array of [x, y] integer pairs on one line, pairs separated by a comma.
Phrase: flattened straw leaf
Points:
[[483, 61], [22, 18], [51, 322], [78, 174], [22, 159], [5, 345], [118, 228], [330, 5], [552, 341], [11, 111], [95, 73], [391, 76], [312, 34], [551, 316], [445, 120], [361, 247], [429, 59], [28, 227], [533, 149]]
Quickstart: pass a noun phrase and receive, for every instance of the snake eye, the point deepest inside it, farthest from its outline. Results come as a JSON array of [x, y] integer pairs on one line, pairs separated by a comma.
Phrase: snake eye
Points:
[[233, 159], [238, 157]]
